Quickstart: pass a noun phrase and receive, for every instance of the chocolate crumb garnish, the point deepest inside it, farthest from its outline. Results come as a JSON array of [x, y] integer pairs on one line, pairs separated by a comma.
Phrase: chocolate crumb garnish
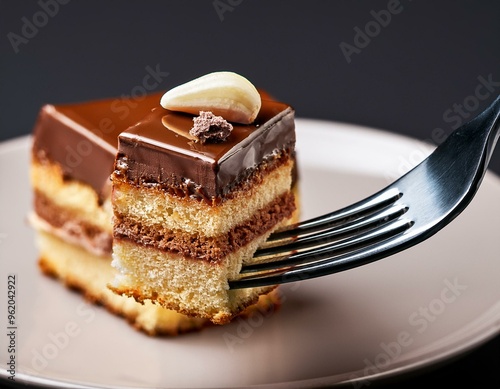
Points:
[[210, 128]]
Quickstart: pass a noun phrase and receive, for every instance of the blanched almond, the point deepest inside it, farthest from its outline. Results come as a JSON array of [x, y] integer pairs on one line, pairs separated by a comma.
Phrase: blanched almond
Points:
[[225, 94]]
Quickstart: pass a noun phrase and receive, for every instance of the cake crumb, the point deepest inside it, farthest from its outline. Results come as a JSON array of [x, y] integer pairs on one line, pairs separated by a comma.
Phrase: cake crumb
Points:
[[210, 128]]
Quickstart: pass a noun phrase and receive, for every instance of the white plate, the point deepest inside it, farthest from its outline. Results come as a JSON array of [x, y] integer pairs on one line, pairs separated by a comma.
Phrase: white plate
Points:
[[419, 307]]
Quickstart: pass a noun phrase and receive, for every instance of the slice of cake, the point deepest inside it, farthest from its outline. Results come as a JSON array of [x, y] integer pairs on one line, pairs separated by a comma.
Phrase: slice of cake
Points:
[[196, 192], [74, 148]]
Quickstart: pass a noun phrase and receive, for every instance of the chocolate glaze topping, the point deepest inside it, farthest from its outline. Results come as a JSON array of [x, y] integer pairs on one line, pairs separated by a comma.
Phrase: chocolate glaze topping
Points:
[[83, 138], [153, 152]]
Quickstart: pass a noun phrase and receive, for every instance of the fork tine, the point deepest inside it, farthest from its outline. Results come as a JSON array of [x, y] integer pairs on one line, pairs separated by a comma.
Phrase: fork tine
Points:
[[325, 259], [348, 214], [337, 233]]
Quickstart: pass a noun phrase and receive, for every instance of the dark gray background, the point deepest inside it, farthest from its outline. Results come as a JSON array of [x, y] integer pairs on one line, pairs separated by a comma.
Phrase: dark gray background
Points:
[[409, 78], [426, 62]]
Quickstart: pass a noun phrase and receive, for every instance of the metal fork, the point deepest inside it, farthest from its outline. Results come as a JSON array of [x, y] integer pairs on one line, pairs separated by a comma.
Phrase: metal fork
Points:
[[408, 211]]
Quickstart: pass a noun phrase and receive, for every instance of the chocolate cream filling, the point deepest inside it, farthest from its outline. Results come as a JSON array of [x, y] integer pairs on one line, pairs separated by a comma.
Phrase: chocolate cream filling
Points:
[[211, 249], [66, 223]]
